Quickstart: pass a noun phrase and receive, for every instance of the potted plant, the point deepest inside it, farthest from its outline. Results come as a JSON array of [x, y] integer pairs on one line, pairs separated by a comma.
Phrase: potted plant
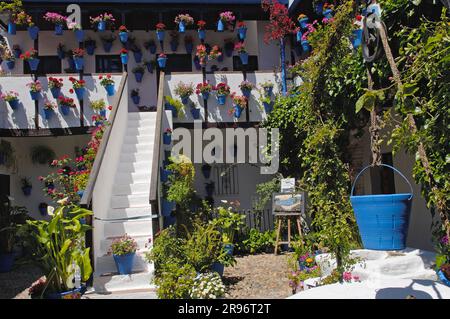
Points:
[[35, 89], [99, 106], [188, 44], [55, 85], [41, 154], [26, 186], [49, 108], [202, 54], [215, 53], [267, 103], [242, 30], [164, 174], [123, 250], [226, 20], [174, 40], [58, 20], [90, 46], [243, 54], [43, 208], [78, 86], [76, 28], [150, 65], [108, 41], [160, 31], [135, 96], [66, 103], [150, 45], [246, 88], [23, 19], [229, 47], [206, 170], [204, 89], [78, 58], [167, 136], [162, 60], [102, 21], [444, 274], [303, 20], [184, 91], [61, 51], [229, 224], [239, 103], [12, 97], [9, 58], [222, 91], [357, 32], [138, 71], [11, 217], [183, 21], [137, 53], [328, 10], [108, 83], [167, 207], [6, 153], [62, 252], [123, 34], [31, 57], [175, 106], [124, 55], [17, 51], [267, 87], [201, 24], [195, 111]]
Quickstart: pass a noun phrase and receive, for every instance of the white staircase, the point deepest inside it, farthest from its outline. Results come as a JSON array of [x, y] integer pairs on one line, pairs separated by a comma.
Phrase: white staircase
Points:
[[129, 211]]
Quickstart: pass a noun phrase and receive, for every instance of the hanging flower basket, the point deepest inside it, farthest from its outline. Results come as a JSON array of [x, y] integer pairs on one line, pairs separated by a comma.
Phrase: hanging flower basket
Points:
[[237, 111], [124, 56], [12, 28], [242, 30], [59, 29], [356, 38], [160, 35], [123, 34], [33, 63], [268, 107], [79, 35], [162, 60], [305, 46], [167, 138], [136, 99], [382, 219], [195, 113], [14, 104], [33, 32], [79, 92], [137, 56], [164, 175], [48, 113], [303, 22], [10, 64]]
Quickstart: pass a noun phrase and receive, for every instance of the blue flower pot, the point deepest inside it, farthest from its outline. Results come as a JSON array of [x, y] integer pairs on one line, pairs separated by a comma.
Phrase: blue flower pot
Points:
[[48, 113], [71, 63], [246, 92], [90, 49], [444, 279], [150, 68], [220, 26], [152, 48], [185, 100], [164, 175], [218, 268], [242, 33], [101, 26], [229, 248], [12, 28], [138, 76], [136, 99], [79, 63], [160, 35], [205, 95], [58, 29], [34, 95], [61, 54], [181, 27], [13, 104], [124, 263], [110, 89], [237, 111], [123, 36], [171, 108], [303, 22], [189, 47], [56, 92], [305, 46], [244, 58], [167, 207], [268, 107], [162, 62], [221, 99], [6, 262], [10, 64], [202, 34], [299, 36], [174, 46], [167, 138], [137, 56], [33, 63], [195, 113], [107, 46], [26, 190], [80, 93], [102, 113], [328, 13], [65, 110], [79, 35], [124, 58], [17, 53], [80, 193], [356, 38]]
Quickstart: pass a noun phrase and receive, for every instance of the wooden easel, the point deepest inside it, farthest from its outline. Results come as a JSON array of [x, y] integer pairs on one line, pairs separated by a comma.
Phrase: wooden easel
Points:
[[280, 217]]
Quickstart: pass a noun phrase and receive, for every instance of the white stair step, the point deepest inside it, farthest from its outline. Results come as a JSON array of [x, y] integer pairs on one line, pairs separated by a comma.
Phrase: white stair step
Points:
[[133, 157], [137, 148], [139, 166], [143, 242], [125, 201], [141, 115], [105, 264], [141, 123], [135, 139], [129, 212], [128, 189], [134, 130], [132, 178], [132, 227], [135, 281]]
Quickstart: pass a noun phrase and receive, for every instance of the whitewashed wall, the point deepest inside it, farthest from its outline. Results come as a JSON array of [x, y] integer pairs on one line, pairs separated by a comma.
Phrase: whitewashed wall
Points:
[[23, 116]]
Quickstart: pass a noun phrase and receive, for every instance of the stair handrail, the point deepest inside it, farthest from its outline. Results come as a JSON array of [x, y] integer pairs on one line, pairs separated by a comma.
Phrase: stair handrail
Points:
[[87, 194], [157, 143]]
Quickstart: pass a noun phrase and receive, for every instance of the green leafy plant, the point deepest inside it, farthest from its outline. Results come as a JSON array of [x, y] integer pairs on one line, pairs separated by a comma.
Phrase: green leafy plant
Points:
[[98, 105], [229, 223], [176, 104], [184, 89], [42, 154], [175, 281], [123, 246], [7, 152], [11, 217], [258, 242]]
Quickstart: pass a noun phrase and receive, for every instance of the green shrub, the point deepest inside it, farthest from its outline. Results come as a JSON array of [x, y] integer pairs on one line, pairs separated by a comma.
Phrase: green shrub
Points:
[[257, 242], [175, 281]]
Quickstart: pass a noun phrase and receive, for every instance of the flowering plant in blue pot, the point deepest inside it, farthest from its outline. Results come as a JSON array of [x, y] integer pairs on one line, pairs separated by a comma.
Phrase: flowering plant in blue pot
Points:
[[135, 96], [12, 27], [229, 47], [108, 83], [58, 20], [183, 21], [124, 56], [160, 31], [188, 44], [138, 73], [267, 87], [17, 51], [108, 41], [303, 20], [76, 28], [9, 59], [49, 109], [246, 88], [162, 59], [26, 186], [90, 46], [35, 89], [243, 54], [167, 136], [32, 59], [61, 51], [66, 103], [103, 21], [195, 112], [150, 45], [239, 104], [55, 85], [78, 86], [328, 10], [174, 35], [99, 106], [204, 89], [150, 65], [201, 24], [137, 54], [242, 30], [226, 20], [12, 97], [78, 58], [123, 34], [184, 91], [222, 91]]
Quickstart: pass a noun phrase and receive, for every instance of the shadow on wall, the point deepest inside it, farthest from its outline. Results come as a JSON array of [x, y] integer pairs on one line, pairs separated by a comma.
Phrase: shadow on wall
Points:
[[409, 292]]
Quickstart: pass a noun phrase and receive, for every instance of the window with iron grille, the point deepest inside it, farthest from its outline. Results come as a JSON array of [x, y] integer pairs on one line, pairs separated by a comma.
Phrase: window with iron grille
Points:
[[226, 181]]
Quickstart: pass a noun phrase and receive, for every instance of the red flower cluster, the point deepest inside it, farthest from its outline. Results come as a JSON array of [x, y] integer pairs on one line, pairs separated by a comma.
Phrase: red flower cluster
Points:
[[66, 101], [123, 51], [76, 84], [280, 23], [123, 28], [160, 26], [201, 24], [241, 24], [54, 82], [203, 87], [78, 53], [31, 54], [162, 55]]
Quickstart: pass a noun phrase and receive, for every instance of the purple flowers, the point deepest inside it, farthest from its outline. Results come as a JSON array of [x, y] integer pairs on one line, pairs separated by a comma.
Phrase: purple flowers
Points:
[[55, 18], [444, 240]]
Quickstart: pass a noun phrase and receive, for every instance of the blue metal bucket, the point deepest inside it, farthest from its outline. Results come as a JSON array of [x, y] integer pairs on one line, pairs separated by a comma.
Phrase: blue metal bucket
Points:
[[383, 219], [124, 263], [110, 89]]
